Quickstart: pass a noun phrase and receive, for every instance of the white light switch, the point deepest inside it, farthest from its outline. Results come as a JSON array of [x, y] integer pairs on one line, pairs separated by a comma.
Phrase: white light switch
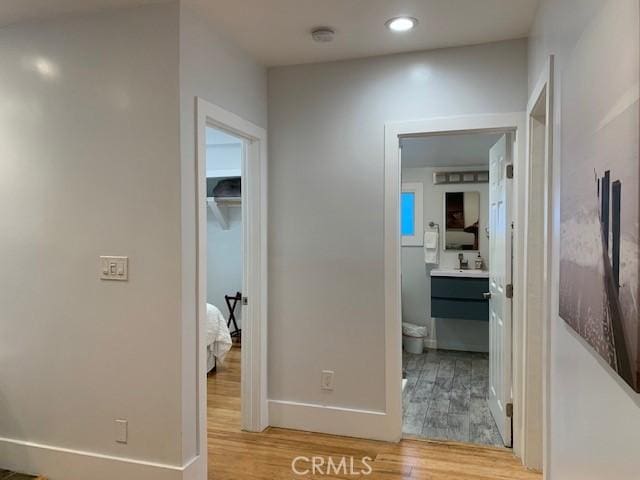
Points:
[[121, 431], [114, 268]]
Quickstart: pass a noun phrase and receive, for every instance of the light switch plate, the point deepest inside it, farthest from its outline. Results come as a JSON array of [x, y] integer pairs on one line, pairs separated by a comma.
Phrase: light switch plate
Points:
[[114, 268]]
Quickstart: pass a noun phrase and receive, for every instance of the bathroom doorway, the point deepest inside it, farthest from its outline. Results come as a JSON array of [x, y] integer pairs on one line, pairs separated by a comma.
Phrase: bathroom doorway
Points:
[[449, 185], [505, 290]]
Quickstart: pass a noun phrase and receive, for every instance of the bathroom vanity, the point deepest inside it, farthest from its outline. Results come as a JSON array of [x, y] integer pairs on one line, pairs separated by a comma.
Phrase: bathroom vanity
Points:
[[460, 294]]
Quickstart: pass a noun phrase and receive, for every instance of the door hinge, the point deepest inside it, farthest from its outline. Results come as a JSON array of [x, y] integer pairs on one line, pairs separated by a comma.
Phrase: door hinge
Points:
[[245, 300], [509, 410], [509, 291], [510, 170]]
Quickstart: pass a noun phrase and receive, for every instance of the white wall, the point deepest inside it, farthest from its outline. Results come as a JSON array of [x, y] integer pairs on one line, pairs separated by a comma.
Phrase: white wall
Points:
[[98, 156], [89, 166], [326, 264], [227, 160], [212, 68], [224, 246], [224, 260], [595, 416], [469, 335]]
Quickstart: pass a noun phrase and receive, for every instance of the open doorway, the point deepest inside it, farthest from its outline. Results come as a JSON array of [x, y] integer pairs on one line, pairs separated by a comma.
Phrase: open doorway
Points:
[[456, 297], [225, 275], [231, 274]]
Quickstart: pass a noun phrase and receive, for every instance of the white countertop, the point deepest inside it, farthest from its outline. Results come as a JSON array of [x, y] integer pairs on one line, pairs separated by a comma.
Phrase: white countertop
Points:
[[460, 273]]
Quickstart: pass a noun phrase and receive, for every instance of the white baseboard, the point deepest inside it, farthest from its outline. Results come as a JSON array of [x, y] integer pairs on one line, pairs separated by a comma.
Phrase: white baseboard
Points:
[[66, 464], [345, 422]]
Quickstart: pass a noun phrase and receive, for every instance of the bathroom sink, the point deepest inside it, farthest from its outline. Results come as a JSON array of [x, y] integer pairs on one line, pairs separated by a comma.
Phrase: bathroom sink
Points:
[[470, 273]]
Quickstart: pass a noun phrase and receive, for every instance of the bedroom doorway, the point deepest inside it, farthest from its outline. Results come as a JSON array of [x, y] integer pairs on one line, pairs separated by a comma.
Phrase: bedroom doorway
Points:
[[225, 273], [231, 275]]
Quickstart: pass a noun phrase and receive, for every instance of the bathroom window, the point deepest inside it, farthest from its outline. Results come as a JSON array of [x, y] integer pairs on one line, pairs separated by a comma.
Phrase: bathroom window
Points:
[[411, 215]]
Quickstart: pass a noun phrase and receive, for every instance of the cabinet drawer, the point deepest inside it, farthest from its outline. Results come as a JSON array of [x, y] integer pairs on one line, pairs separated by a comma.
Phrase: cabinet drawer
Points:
[[462, 309], [459, 288]]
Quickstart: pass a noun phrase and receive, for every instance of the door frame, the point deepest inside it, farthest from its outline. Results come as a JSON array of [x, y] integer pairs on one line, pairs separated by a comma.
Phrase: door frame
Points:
[[254, 412], [500, 122], [536, 341]]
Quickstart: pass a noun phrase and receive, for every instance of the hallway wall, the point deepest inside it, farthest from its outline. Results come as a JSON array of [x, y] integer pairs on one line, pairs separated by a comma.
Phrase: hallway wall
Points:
[[215, 69], [595, 416], [326, 193], [89, 166]]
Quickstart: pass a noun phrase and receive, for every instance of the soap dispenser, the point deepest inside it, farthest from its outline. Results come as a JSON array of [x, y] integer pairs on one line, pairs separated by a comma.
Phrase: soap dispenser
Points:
[[479, 262]]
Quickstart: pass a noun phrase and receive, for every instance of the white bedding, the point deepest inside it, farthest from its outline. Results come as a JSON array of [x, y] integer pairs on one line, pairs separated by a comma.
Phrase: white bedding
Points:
[[217, 336]]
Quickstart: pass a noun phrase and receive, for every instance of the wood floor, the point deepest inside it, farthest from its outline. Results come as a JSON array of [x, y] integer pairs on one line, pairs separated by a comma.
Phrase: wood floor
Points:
[[237, 455]]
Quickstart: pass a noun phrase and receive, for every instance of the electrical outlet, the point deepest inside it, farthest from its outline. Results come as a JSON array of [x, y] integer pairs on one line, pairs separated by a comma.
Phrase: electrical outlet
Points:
[[326, 380], [122, 431]]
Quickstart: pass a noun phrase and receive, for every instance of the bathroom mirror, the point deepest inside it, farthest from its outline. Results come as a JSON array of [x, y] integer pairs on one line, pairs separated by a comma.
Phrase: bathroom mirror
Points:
[[461, 220]]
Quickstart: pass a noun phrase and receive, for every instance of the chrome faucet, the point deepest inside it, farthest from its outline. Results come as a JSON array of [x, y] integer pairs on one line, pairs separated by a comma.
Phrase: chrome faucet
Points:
[[464, 264]]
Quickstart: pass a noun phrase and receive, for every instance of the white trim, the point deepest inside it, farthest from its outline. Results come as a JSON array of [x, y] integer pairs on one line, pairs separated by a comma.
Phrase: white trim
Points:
[[417, 239], [254, 200], [35, 458], [536, 350], [347, 422], [393, 131]]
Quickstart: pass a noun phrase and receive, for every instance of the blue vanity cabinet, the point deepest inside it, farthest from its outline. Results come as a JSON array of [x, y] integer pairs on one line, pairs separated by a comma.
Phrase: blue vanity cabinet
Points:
[[459, 297]]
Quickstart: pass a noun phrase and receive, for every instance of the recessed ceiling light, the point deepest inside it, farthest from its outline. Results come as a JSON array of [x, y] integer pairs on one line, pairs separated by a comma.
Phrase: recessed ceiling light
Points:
[[401, 24]]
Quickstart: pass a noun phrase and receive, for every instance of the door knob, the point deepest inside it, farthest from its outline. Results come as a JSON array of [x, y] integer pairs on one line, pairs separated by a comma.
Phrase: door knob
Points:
[[487, 295]]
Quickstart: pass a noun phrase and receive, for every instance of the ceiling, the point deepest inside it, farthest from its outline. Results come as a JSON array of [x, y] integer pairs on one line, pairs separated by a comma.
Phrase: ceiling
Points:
[[13, 11], [277, 32], [460, 150]]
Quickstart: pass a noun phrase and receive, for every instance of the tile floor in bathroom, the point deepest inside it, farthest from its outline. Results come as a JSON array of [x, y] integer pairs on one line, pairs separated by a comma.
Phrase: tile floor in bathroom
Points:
[[445, 397]]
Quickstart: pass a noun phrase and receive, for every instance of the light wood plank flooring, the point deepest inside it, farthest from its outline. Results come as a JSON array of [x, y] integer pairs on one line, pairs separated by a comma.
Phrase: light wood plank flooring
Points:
[[237, 455]]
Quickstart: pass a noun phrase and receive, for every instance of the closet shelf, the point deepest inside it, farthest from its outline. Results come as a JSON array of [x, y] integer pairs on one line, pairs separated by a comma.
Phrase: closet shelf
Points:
[[219, 207]]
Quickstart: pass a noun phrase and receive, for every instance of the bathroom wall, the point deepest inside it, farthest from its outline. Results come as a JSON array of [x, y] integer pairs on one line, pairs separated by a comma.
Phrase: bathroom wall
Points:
[[468, 335]]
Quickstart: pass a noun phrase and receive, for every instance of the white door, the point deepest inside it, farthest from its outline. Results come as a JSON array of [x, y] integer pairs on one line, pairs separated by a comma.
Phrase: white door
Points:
[[500, 341]]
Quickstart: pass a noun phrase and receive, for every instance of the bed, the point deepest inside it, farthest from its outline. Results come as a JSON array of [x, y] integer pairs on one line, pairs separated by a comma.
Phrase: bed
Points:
[[217, 337]]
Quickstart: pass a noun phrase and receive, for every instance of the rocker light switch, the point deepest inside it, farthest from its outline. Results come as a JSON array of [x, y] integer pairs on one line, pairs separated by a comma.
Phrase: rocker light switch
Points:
[[114, 268]]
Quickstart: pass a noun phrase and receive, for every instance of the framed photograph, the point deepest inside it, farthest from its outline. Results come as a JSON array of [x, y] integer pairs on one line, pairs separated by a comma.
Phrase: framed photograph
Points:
[[599, 195]]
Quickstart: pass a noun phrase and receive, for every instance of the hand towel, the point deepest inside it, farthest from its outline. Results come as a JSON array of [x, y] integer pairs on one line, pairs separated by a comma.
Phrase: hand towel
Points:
[[431, 247]]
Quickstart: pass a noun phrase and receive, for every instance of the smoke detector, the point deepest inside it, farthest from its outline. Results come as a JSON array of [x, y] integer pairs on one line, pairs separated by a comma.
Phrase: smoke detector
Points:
[[323, 34]]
